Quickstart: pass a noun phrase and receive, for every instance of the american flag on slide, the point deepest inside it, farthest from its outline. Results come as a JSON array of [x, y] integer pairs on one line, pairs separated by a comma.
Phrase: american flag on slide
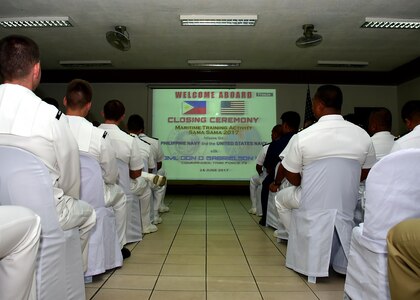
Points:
[[232, 107]]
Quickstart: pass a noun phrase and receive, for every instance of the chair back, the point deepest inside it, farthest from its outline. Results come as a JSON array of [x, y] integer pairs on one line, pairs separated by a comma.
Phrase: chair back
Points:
[[25, 181], [92, 184], [392, 196], [324, 219], [134, 230], [331, 183]]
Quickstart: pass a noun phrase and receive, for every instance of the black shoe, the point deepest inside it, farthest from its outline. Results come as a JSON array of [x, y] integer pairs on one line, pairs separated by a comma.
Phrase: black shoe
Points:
[[125, 253], [262, 222]]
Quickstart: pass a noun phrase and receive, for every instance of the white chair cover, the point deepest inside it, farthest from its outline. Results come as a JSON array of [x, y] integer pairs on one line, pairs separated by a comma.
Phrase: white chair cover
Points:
[[25, 181], [392, 196], [134, 229], [272, 218], [104, 248], [325, 217]]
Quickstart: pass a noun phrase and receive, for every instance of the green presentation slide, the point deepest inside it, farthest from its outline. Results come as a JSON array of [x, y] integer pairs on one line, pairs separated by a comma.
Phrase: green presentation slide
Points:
[[212, 134]]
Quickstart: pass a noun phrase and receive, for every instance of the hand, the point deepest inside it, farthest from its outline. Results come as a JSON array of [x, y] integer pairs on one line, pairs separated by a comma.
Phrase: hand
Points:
[[273, 187]]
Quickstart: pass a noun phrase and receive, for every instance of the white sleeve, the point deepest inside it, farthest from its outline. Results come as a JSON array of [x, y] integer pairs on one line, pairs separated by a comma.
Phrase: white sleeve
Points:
[[136, 160], [108, 161], [67, 152], [160, 155]]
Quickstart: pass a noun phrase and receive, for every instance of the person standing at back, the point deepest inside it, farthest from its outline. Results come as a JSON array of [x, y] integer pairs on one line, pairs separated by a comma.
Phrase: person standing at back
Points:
[[29, 123]]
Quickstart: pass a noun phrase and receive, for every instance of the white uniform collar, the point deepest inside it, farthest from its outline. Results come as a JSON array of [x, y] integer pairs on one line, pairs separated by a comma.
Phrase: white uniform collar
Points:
[[330, 118]]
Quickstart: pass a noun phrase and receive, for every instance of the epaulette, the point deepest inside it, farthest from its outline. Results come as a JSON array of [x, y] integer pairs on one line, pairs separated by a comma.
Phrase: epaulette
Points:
[[58, 115], [105, 134], [144, 141], [155, 138]]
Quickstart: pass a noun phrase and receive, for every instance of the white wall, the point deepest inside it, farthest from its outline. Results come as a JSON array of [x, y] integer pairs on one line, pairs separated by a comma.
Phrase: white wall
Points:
[[289, 96]]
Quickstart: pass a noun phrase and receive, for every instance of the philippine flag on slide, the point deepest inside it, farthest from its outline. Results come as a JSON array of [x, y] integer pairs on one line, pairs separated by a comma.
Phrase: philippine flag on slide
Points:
[[194, 108]]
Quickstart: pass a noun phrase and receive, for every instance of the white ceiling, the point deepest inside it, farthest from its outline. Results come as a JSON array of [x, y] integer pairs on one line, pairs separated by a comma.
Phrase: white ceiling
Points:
[[158, 41]]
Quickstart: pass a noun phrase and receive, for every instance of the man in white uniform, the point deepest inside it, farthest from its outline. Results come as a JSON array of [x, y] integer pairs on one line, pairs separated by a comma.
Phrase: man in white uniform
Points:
[[20, 230], [379, 127], [410, 114], [29, 123], [135, 125], [331, 136], [128, 149], [96, 142]]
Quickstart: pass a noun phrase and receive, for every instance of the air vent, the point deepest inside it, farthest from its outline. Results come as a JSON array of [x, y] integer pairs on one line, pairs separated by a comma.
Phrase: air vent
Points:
[[342, 64], [85, 63]]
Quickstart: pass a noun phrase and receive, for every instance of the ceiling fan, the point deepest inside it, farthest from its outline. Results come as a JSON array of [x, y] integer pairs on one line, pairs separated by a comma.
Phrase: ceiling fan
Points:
[[308, 39]]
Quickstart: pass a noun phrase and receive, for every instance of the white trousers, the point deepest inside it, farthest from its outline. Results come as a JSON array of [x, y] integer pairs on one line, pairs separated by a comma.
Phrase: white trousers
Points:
[[20, 230], [158, 193], [254, 192], [162, 204], [82, 215], [115, 198], [287, 199], [142, 189]]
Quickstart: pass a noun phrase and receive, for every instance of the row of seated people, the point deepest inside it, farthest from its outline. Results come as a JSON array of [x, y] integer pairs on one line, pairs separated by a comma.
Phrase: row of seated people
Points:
[[48, 155], [316, 191]]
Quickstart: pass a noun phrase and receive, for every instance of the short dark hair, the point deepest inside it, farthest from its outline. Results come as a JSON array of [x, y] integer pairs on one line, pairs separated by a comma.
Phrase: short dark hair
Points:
[[382, 117], [411, 110], [135, 123], [78, 93], [114, 110], [292, 119], [330, 95], [18, 54], [277, 129]]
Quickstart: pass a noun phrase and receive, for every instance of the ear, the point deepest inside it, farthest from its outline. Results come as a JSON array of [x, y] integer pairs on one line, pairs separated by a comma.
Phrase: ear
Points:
[[408, 124], [36, 75], [89, 105], [65, 101], [37, 70]]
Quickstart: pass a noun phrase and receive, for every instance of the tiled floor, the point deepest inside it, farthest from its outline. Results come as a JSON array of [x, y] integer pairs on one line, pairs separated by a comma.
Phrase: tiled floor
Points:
[[209, 247]]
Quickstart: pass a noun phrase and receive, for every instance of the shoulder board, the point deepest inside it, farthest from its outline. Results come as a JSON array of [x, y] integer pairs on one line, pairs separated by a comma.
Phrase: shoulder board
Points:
[[145, 141], [105, 134], [266, 144], [58, 115], [155, 138]]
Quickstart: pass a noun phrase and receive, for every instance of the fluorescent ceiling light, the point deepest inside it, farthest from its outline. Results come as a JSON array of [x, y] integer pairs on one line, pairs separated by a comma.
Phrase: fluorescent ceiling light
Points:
[[214, 63], [218, 20], [387, 23], [30, 22], [342, 63], [85, 63]]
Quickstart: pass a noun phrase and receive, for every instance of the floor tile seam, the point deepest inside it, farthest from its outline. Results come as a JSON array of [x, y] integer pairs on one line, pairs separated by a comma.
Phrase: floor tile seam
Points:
[[105, 281], [170, 246], [243, 251]]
